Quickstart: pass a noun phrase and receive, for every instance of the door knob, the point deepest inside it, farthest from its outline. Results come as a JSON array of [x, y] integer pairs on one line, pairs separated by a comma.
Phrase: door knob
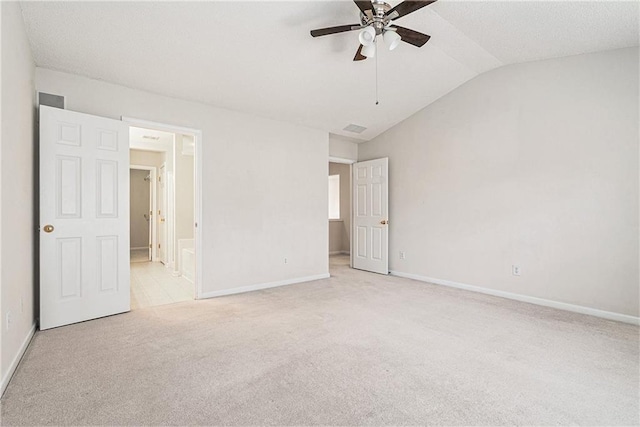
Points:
[[384, 222], [48, 228]]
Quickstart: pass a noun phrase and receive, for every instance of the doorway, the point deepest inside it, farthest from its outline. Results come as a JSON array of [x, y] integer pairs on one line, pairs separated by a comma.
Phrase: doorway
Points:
[[142, 205], [163, 214], [339, 210], [358, 214]]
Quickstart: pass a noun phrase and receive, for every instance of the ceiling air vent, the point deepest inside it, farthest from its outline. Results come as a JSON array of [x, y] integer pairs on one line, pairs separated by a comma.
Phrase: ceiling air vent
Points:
[[355, 128]]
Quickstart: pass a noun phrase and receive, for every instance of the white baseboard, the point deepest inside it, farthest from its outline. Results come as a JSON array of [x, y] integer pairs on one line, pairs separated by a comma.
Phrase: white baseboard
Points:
[[625, 318], [16, 360], [257, 287], [339, 253]]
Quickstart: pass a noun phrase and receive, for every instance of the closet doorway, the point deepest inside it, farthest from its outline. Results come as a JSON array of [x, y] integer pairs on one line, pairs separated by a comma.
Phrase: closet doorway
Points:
[[142, 236]]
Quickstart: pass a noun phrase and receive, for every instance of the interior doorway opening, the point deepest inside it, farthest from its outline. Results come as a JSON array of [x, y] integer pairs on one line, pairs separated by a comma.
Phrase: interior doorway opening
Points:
[[162, 216], [142, 237], [339, 211]]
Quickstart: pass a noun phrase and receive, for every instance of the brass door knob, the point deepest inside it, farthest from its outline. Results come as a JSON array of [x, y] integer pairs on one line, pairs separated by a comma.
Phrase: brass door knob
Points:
[[384, 222], [48, 228]]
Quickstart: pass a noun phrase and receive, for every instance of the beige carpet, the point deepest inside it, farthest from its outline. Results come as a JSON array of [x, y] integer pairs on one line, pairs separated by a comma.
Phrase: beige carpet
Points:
[[354, 349]]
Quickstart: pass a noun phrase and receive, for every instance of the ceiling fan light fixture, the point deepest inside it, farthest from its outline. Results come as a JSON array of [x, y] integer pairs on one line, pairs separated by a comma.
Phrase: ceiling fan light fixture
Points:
[[391, 39], [367, 36], [369, 51]]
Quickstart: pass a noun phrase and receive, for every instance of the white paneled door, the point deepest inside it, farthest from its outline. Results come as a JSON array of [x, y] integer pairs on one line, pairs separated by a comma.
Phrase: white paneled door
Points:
[[370, 219], [84, 217]]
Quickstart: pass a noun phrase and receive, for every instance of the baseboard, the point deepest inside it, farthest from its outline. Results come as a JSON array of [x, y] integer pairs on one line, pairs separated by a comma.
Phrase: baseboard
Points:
[[625, 318], [140, 248], [339, 253], [16, 360], [260, 286]]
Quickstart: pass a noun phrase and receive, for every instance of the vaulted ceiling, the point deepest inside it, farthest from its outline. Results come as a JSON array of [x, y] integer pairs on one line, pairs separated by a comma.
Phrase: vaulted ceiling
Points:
[[258, 57]]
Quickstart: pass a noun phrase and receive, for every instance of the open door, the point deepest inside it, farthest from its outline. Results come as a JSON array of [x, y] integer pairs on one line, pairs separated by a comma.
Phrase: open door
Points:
[[370, 219], [84, 217], [162, 214], [150, 215]]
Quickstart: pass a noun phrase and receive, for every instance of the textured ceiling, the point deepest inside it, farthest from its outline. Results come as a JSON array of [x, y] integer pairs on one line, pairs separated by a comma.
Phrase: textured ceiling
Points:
[[258, 57], [520, 31]]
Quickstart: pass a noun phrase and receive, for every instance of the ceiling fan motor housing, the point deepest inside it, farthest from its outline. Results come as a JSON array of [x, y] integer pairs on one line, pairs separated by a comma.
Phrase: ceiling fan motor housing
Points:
[[376, 16]]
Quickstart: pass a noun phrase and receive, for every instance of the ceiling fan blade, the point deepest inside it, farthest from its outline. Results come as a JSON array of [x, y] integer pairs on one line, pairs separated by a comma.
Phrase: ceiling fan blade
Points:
[[363, 5], [412, 37], [407, 7], [359, 56], [334, 30]]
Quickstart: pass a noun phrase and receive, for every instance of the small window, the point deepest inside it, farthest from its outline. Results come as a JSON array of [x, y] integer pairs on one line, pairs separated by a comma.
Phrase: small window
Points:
[[334, 196]]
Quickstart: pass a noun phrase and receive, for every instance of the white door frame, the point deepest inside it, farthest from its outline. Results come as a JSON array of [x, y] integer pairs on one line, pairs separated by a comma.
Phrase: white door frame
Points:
[[349, 162], [197, 137], [152, 217], [163, 212]]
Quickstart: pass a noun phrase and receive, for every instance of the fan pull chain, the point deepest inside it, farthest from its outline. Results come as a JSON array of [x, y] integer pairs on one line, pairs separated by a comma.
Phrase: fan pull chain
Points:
[[376, 45]]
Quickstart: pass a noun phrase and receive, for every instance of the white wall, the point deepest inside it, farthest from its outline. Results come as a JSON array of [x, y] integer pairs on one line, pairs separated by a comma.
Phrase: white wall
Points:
[[17, 194], [533, 164], [342, 148], [146, 158], [264, 182]]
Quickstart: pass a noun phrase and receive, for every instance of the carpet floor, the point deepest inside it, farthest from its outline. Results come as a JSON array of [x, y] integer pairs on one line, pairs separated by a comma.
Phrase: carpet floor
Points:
[[355, 349]]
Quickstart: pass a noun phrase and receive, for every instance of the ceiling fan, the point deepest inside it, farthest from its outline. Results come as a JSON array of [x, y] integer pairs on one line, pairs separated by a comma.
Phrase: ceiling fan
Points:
[[375, 20]]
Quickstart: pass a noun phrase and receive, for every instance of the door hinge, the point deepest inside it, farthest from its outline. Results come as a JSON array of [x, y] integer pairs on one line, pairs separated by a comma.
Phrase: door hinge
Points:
[[158, 245]]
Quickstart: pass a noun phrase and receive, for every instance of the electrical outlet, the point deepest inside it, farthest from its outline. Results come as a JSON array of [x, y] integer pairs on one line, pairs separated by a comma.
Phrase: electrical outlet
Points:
[[402, 255], [9, 320], [515, 270]]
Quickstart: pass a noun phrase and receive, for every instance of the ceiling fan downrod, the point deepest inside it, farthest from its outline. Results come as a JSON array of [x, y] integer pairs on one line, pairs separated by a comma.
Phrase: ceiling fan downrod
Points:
[[376, 73]]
